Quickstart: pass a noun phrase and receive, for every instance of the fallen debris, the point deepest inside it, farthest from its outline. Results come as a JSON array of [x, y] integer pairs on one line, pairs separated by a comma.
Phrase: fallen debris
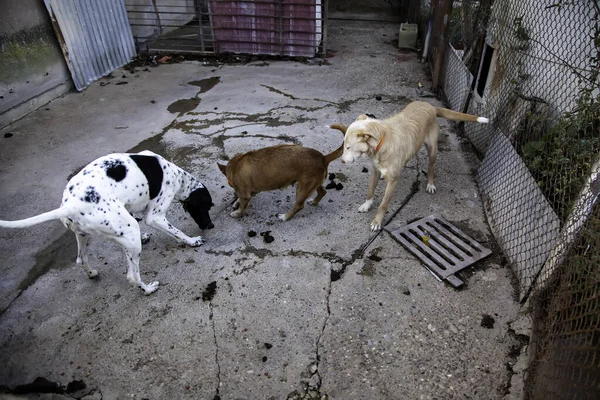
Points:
[[210, 291], [487, 321], [267, 236]]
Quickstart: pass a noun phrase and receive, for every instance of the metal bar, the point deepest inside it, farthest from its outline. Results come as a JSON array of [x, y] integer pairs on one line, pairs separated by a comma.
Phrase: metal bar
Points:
[[324, 24], [438, 247], [444, 7], [413, 245], [198, 5]]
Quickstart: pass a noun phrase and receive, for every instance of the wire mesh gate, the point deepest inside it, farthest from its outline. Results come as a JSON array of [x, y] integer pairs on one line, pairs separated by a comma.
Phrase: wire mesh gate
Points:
[[261, 27], [532, 67]]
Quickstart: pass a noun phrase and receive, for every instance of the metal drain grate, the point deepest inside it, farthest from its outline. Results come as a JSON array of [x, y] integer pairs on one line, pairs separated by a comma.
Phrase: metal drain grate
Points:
[[442, 247]]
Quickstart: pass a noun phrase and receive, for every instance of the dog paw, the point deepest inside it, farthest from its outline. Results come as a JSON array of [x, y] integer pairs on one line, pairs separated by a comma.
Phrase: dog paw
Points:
[[312, 202], [145, 238], [197, 241], [282, 217], [236, 214], [366, 206], [236, 205], [375, 225], [150, 288], [431, 188], [92, 274]]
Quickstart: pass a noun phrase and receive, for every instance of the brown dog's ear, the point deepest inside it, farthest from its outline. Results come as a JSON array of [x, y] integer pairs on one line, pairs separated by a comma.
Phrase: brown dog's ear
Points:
[[223, 168], [361, 117]]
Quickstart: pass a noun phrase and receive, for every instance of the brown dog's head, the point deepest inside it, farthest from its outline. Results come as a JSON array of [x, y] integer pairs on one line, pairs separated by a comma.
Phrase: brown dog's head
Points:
[[224, 170], [362, 138]]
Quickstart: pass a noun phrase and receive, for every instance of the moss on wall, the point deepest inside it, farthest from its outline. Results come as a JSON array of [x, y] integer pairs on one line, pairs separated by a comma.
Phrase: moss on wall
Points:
[[28, 52]]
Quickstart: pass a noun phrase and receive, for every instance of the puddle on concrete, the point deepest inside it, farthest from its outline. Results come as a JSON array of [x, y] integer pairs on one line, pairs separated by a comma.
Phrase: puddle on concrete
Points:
[[58, 255], [206, 84], [153, 144], [183, 105]]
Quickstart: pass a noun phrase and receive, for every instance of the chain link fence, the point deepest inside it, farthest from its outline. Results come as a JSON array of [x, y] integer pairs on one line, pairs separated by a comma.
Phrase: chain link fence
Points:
[[532, 67]]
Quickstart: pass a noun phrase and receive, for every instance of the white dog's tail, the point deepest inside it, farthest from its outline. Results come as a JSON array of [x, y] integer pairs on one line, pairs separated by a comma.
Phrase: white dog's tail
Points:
[[456, 116], [38, 219]]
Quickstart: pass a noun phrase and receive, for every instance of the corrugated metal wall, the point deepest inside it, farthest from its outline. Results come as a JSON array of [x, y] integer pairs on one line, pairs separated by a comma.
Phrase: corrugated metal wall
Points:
[[95, 37]]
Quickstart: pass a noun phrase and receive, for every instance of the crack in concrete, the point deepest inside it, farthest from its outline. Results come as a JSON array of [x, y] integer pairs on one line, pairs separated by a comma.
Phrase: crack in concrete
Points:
[[212, 321], [312, 388]]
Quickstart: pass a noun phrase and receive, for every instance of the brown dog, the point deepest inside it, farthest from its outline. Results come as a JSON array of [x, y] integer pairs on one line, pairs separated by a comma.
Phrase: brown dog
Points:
[[276, 167], [392, 142]]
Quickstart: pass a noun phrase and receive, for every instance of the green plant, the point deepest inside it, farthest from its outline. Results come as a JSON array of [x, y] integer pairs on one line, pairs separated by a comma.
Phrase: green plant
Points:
[[560, 161]]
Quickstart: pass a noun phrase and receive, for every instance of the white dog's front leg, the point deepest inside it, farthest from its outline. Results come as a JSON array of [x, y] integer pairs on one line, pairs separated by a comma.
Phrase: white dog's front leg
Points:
[[366, 206], [162, 224]]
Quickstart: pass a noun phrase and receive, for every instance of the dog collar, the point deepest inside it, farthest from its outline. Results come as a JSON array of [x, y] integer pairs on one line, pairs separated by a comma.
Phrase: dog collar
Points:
[[380, 143]]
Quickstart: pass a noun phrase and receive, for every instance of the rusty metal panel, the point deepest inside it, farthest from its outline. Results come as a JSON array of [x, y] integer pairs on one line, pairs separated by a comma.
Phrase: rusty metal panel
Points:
[[95, 37]]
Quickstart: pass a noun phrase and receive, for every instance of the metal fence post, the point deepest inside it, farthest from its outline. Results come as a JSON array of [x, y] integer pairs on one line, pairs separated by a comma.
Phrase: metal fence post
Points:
[[443, 7]]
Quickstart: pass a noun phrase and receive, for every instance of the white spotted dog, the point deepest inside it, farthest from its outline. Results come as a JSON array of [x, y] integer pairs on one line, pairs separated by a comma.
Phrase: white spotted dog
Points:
[[100, 198]]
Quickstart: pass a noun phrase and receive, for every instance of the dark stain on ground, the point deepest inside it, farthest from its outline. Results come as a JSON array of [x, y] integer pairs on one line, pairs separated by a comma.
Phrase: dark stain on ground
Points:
[[43, 385], [206, 84], [375, 257], [210, 291], [367, 270], [487, 321], [58, 255], [183, 105]]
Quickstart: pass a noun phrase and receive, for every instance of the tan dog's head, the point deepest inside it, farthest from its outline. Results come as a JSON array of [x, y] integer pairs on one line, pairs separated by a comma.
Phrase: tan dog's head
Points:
[[361, 139], [223, 169]]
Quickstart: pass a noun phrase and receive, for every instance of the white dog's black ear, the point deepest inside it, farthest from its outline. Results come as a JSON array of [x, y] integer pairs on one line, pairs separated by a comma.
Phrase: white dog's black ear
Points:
[[362, 117]]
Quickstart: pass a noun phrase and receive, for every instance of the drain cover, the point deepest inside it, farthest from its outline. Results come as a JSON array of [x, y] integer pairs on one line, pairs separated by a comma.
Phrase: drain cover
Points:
[[442, 247]]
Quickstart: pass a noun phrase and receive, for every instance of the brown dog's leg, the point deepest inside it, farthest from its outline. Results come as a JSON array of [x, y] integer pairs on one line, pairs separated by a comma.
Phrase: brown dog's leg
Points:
[[320, 193], [242, 203], [431, 146], [303, 191], [375, 175], [387, 197]]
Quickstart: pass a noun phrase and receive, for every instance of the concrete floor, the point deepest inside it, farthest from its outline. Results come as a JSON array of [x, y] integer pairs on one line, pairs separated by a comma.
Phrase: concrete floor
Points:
[[327, 310]]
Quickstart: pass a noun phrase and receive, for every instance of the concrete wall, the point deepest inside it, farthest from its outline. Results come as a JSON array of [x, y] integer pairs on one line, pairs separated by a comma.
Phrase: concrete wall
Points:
[[32, 68]]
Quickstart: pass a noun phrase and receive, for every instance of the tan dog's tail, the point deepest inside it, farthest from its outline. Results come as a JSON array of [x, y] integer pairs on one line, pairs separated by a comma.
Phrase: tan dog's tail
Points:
[[456, 116], [337, 153]]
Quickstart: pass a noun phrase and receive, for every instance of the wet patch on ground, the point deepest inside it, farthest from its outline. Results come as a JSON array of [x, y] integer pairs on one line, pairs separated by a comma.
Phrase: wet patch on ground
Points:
[[58, 255], [206, 84], [183, 105]]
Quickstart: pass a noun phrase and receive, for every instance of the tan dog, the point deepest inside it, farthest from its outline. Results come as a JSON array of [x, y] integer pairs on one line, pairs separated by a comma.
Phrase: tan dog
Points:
[[392, 142], [276, 167]]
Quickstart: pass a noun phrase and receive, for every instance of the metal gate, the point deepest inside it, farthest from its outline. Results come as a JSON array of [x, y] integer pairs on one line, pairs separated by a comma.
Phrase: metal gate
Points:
[[261, 27]]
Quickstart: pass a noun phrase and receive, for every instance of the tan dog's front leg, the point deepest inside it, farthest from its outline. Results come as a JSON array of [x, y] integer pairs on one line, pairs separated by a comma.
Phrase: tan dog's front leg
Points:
[[387, 197], [375, 175], [242, 203]]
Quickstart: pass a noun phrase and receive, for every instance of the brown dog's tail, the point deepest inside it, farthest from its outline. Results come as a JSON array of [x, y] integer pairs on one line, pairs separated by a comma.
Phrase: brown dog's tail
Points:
[[456, 116], [337, 153]]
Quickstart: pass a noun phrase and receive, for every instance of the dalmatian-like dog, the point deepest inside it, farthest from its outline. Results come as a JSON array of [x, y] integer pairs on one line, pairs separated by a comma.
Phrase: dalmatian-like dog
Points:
[[100, 198]]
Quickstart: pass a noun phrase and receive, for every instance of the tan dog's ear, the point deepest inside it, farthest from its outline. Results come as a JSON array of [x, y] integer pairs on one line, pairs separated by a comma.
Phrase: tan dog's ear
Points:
[[223, 168], [362, 135], [361, 117]]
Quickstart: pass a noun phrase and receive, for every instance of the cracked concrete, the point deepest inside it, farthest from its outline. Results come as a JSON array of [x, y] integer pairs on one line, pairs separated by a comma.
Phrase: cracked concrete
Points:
[[327, 310]]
